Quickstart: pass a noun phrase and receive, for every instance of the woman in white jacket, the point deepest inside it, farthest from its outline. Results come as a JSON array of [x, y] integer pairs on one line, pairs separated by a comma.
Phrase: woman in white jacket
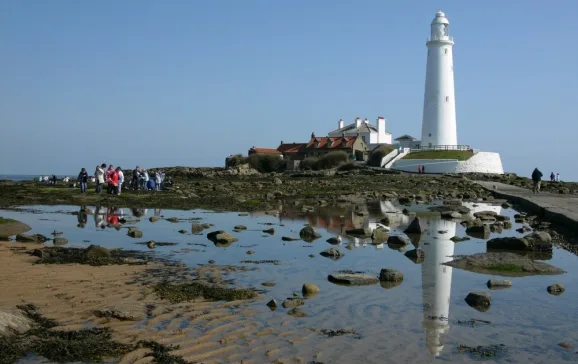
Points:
[[99, 176]]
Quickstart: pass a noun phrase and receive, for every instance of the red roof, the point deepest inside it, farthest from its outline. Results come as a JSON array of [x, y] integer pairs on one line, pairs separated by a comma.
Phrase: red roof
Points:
[[331, 143], [265, 150], [292, 147]]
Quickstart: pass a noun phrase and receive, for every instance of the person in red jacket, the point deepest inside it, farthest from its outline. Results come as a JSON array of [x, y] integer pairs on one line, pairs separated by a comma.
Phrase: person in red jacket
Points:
[[113, 182]]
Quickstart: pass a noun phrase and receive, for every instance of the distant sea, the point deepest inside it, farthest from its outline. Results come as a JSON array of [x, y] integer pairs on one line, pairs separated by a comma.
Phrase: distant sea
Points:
[[24, 177]]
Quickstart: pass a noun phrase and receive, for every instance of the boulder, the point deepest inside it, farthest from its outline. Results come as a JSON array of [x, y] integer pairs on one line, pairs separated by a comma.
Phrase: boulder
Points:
[[59, 241], [508, 243], [293, 302], [379, 235], [270, 231], [95, 251], [390, 275], [332, 253], [352, 279], [556, 289], [289, 238], [13, 323], [481, 231], [416, 255], [451, 215], [365, 232], [397, 241], [457, 239], [333, 241], [503, 264], [480, 214], [196, 228], [499, 283], [153, 219], [481, 301], [308, 233], [173, 219], [417, 226], [221, 238], [309, 289], [272, 304], [134, 233], [35, 238], [240, 227]]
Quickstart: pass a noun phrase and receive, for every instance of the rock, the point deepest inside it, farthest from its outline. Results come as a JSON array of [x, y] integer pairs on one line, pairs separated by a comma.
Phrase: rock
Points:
[[211, 261], [268, 284], [556, 289], [272, 304], [457, 239], [417, 226], [524, 229], [11, 323], [122, 312], [59, 241], [196, 228], [270, 231], [379, 235], [173, 219], [481, 301], [277, 181], [451, 215], [36, 238], [503, 264], [134, 233], [506, 205], [493, 283], [333, 241], [416, 255], [479, 231], [502, 218], [385, 221], [508, 243], [565, 345], [481, 214], [295, 312], [308, 233], [240, 227], [40, 253], [309, 289], [397, 241], [352, 279], [332, 253], [95, 251], [365, 232], [293, 302], [153, 219], [221, 238], [182, 231], [151, 244], [289, 238], [390, 275], [454, 202], [250, 252]]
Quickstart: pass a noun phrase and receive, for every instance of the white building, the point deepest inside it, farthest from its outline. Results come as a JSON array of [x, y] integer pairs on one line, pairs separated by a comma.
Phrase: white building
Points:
[[371, 134], [439, 107]]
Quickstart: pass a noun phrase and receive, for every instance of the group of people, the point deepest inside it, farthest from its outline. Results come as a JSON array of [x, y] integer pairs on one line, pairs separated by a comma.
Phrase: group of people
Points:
[[537, 179], [49, 180], [113, 178], [420, 169]]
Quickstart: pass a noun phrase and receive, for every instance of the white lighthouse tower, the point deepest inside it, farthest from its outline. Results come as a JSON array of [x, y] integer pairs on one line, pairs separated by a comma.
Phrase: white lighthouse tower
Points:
[[439, 106]]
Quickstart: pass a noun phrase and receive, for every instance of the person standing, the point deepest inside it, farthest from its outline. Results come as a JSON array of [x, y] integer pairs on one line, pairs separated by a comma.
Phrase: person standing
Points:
[[158, 178], [99, 177], [135, 175], [113, 182], [109, 186], [120, 180], [536, 178], [83, 180], [557, 177], [552, 177]]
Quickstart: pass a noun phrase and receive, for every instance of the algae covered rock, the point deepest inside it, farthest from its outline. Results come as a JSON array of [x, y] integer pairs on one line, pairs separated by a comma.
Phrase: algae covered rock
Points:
[[390, 275], [134, 233], [308, 233], [481, 301], [221, 238]]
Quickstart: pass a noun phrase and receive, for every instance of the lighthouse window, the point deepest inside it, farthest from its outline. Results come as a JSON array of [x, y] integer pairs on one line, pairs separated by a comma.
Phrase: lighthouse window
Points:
[[446, 51], [447, 98]]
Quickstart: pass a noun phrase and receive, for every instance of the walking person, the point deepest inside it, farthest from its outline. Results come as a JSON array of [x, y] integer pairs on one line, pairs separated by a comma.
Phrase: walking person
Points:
[[83, 180], [536, 178], [120, 180], [99, 177]]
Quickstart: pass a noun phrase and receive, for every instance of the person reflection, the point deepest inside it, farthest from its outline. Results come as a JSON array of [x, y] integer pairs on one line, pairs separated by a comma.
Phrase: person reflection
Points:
[[99, 213], [437, 282], [82, 217]]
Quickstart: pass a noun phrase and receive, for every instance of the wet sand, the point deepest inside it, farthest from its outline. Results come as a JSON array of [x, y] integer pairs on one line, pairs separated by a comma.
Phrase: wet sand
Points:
[[70, 293]]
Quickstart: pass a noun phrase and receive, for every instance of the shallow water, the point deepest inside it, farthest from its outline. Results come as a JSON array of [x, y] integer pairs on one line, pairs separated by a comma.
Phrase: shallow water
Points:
[[397, 324]]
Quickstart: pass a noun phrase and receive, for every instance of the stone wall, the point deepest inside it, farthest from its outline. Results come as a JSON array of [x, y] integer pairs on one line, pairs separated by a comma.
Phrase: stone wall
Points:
[[481, 162]]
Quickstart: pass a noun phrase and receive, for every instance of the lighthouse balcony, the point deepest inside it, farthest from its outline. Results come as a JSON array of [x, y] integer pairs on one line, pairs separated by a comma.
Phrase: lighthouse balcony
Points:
[[422, 148]]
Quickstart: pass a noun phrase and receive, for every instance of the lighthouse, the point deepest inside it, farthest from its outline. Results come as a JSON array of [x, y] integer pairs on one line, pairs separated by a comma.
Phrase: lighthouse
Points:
[[439, 106]]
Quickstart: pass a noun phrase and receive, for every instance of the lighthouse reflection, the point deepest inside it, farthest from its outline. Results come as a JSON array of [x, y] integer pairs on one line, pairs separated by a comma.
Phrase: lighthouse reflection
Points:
[[437, 281]]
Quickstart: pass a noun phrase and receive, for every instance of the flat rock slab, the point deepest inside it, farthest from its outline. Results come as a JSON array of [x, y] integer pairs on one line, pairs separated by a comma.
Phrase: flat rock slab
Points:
[[352, 279], [503, 264], [13, 227], [10, 322]]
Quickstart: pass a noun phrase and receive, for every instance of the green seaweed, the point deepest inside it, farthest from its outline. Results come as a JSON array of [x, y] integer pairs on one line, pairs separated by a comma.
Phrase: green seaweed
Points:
[[93, 255], [505, 267], [176, 293]]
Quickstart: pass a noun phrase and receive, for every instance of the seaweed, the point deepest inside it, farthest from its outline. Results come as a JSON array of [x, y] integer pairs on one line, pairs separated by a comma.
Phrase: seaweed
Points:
[[93, 255], [340, 332], [161, 353], [176, 293], [483, 352]]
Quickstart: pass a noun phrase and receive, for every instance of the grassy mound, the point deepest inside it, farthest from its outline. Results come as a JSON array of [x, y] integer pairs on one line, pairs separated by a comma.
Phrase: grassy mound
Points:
[[461, 155], [377, 155]]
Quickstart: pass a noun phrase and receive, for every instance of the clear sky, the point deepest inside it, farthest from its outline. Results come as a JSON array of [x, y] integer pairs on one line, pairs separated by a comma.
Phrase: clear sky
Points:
[[163, 83]]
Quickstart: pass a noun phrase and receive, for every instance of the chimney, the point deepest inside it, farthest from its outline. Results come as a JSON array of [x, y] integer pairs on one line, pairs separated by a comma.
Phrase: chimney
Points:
[[340, 124], [381, 129], [312, 135], [281, 142], [357, 121], [366, 121]]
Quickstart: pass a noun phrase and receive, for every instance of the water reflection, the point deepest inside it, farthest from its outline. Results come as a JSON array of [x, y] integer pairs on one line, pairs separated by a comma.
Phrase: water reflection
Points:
[[437, 281]]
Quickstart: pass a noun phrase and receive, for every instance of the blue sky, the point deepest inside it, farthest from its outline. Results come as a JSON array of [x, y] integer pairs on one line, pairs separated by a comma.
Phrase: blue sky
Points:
[[160, 83]]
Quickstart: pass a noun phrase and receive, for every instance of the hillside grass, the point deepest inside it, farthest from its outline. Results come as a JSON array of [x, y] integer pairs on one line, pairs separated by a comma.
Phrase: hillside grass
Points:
[[461, 155]]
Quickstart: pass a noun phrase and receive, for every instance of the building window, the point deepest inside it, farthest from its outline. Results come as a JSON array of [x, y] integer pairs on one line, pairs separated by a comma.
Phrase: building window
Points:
[[447, 99], [363, 138]]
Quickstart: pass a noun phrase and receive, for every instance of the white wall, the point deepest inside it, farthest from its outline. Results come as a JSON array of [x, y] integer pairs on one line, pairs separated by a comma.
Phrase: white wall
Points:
[[481, 162]]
